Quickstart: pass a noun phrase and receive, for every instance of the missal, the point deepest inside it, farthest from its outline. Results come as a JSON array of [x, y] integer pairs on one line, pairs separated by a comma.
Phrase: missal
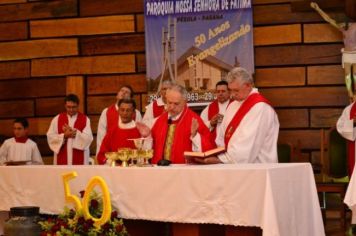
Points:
[[203, 155]]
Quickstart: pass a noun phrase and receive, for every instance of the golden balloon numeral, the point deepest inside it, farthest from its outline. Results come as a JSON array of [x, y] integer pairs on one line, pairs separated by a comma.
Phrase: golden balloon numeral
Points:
[[96, 180]]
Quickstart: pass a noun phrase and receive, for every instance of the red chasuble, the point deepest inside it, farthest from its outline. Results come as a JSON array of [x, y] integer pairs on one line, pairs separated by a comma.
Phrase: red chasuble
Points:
[[117, 138], [112, 117], [157, 110], [240, 114], [182, 132], [78, 155], [351, 146], [213, 109]]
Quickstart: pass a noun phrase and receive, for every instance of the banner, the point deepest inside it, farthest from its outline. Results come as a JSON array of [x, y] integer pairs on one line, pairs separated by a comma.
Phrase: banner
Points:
[[195, 43]]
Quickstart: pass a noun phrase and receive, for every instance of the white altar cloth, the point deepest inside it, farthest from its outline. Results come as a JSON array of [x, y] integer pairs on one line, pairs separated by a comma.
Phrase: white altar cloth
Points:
[[280, 198]]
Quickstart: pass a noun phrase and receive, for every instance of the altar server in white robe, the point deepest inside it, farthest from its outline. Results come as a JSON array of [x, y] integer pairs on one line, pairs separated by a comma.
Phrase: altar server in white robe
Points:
[[69, 135], [249, 129], [109, 117], [20, 148]]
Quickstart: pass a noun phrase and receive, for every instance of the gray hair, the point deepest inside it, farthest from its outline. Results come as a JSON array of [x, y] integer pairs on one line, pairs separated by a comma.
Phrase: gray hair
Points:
[[167, 82], [180, 89], [239, 74]]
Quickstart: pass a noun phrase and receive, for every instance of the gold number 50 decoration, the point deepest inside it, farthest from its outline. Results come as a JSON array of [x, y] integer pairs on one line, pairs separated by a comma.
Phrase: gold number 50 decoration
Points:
[[96, 180]]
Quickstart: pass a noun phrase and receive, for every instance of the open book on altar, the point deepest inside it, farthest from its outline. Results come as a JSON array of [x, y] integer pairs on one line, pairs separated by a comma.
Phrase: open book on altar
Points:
[[211, 152]]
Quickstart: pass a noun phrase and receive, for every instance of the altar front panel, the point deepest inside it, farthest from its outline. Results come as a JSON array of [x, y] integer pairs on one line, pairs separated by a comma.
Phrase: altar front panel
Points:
[[279, 198]]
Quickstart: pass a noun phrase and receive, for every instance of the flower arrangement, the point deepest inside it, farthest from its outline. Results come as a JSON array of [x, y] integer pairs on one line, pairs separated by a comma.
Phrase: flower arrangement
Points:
[[73, 223]]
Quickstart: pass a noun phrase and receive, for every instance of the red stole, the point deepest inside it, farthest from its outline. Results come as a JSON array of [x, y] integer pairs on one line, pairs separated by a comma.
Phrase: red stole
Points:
[[115, 139], [351, 146], [157, 110], [21, 139], [240, 114], [213, 109], [112, 117], [182, 133], [78, 155]]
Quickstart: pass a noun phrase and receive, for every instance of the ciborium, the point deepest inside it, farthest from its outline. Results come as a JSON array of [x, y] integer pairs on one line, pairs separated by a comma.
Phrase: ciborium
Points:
[[124, 155], [113, 157]]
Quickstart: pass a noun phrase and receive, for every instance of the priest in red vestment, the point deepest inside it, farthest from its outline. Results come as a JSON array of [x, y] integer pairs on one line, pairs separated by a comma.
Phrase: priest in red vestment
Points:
[[118, 136], [109, 116], [177, 130], [250, 127], [69, 135], [213, 114]]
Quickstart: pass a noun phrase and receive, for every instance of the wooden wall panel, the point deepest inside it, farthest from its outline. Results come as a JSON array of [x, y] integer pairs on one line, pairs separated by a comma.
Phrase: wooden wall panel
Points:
[[307, 139], [12, 1], [112, 44], [140, 23], [112, 7], [75, 85], [333, 74], [14, 70], [82, 26], [13, 31], [141, 63], [11, 109], [38, 48], [32, 88], [293, 118], [306, 97], [111, 84], [282, 14], [44, 148], [277, 77], [322, 118], [37, 10], [282, 34], [83, 65], [94, 120], [298, 55], [318, 33], [96, 104], [49, 106]]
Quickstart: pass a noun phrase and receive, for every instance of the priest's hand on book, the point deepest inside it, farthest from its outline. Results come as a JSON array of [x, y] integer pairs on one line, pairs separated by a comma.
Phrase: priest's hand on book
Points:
[[207, 160]]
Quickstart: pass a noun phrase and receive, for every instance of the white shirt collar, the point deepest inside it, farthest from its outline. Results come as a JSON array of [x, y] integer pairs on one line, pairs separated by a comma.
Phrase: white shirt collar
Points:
[[129, 125]]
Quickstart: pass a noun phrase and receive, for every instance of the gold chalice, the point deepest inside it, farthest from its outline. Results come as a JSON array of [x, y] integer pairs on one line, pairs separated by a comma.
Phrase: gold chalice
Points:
[[146, 155], [133, 156], [113, 157], [124, 156], [139, 145]]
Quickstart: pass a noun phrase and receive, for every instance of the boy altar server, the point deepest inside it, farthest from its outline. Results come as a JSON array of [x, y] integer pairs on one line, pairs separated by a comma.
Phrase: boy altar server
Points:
[[20, 148]]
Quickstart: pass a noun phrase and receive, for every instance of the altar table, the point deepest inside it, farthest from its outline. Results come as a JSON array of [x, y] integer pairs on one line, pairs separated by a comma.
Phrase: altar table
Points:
[[280, 198]]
